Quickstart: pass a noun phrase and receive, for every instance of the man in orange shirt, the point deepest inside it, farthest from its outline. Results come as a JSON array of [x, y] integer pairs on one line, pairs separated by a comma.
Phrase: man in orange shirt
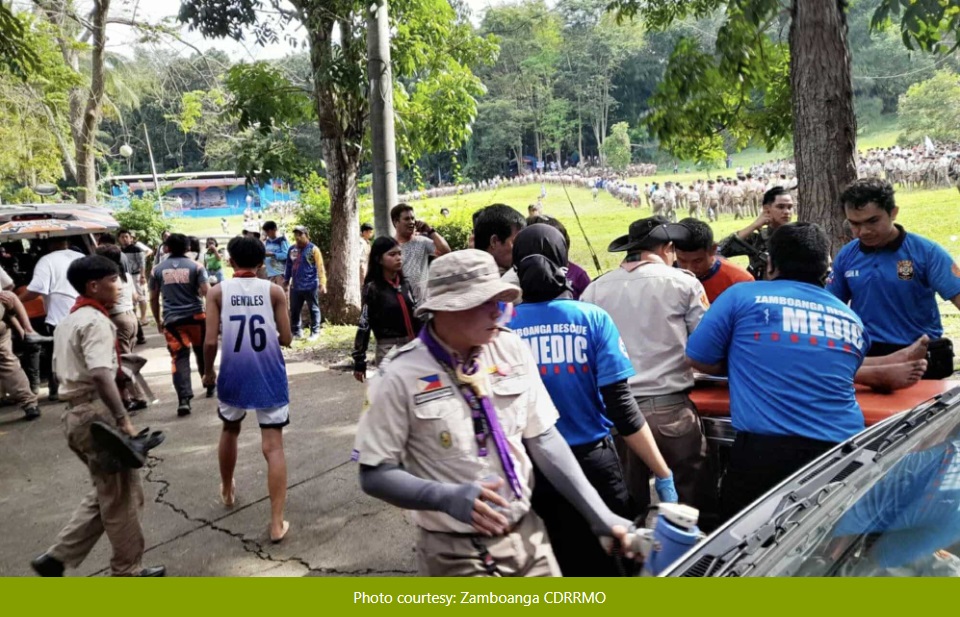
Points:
[[698, 254]]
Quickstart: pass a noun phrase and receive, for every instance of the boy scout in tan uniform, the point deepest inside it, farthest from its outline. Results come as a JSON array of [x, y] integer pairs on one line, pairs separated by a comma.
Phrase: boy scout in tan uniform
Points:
[[736, 199], [456, 444], [86, 361]]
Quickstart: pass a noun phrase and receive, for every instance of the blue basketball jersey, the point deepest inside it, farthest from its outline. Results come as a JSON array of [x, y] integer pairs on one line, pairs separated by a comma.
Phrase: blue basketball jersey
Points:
[[253, 374]]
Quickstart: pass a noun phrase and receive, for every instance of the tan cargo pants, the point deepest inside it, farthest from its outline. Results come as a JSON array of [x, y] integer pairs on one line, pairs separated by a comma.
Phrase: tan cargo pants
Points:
[[13, 380], [113, 506], [525, 551], [678, 431]]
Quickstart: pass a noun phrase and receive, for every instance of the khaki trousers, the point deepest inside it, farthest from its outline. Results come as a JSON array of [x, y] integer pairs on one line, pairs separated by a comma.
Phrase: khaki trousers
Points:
[[13, 380], [127, 326], [113, 506], [525, 551], [678, 431]]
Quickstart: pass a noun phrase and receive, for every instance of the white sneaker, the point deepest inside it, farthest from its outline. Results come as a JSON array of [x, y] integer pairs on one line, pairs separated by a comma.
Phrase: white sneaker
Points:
[[314, 337]]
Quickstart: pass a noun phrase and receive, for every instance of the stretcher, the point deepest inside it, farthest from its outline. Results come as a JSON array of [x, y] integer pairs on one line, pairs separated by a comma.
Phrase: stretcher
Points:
[[712, 399]]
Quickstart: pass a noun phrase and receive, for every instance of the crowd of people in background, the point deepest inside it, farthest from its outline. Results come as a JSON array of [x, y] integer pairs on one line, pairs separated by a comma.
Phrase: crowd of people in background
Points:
[[516, 449], [611, 414]]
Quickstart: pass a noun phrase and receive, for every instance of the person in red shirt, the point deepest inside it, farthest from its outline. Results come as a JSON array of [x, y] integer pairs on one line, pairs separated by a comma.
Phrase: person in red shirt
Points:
[[698, 254]]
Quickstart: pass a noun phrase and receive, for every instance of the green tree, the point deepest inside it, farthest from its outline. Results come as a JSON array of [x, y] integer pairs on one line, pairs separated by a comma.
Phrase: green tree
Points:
[[756, 84], [931, 108], [33, 122], [526, 70], [596, 45], [17, 55], [616, 147], [429, 38], [143, 217]]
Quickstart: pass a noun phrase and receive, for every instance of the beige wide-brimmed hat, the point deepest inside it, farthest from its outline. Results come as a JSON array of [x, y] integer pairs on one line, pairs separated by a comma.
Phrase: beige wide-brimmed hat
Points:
[[462, 280]]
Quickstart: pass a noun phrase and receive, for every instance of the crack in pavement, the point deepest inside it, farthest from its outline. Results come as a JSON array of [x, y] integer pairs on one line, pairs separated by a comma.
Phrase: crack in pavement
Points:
[[251, 546], [366, 571]]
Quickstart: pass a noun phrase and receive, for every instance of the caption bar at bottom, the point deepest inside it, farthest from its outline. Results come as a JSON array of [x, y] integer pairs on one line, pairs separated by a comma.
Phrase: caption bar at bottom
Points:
[[487, 597]]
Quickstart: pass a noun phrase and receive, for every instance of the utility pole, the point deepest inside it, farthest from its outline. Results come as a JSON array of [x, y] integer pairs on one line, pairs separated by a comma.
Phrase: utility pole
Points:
[[381, 117], [153, 168]]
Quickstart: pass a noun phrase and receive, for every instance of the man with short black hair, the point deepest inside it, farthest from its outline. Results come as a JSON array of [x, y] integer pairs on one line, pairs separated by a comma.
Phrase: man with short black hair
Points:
[[803, 345], [418, 242], [494, 231], [891, 278], [252, 315], [50, 281], [85, 357], [655, 307], [366, 234], [182, 283], [277, 248], [135, 255], [306, 278], [777, 210], [698, 254]]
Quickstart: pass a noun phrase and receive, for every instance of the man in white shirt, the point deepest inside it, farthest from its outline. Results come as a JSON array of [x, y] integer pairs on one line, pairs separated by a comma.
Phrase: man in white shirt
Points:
[[418, 242], [655, 307], [50, 282]]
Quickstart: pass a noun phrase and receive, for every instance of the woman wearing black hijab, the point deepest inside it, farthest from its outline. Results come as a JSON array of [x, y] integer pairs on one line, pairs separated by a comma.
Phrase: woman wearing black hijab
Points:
[[584, 365]]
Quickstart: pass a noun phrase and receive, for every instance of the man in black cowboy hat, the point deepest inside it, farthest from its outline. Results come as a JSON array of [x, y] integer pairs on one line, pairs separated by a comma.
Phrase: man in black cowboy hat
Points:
[[655, 307]]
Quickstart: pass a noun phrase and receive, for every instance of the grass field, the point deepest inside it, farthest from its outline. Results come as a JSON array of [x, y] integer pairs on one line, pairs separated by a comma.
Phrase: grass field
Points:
[[934, 214]]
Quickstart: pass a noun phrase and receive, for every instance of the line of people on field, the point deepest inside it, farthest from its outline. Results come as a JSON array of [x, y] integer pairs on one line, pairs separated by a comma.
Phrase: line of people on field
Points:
[[515, 449]]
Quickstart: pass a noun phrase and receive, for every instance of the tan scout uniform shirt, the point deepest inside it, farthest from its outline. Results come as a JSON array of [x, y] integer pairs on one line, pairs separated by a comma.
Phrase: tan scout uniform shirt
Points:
[[426, 425], [655, 307], [84, 340]]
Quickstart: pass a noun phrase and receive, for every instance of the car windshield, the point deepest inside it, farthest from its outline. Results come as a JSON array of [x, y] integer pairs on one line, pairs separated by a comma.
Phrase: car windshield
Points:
[[899, 518]]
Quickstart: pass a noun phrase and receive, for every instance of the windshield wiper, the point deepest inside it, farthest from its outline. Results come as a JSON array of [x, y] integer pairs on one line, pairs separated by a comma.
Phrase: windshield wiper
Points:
[[772, 532], [914, 419]]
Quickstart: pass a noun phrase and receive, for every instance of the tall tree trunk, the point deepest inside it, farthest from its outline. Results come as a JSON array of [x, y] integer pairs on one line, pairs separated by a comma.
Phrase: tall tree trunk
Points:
[[343, 271], [341, 129], [825, 127], [579, 130], [93, 108]]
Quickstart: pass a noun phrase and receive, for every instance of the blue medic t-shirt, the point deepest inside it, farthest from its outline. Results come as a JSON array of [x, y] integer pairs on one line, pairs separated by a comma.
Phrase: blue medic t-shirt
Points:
[[792, 350], [579, 350], [893, 289]]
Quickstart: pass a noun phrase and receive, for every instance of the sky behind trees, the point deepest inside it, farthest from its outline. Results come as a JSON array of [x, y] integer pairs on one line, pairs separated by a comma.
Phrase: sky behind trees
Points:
[[122, 38]]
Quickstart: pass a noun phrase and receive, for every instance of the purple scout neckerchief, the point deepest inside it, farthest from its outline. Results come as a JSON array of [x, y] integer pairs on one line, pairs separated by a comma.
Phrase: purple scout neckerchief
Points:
[[472, 386]]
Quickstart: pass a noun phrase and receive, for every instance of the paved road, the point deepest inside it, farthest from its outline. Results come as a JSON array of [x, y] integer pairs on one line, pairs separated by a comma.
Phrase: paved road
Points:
[[335, 529]]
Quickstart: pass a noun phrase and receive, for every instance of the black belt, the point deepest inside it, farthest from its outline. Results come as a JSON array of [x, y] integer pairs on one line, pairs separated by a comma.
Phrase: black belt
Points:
[[792, 442], [586, 448]]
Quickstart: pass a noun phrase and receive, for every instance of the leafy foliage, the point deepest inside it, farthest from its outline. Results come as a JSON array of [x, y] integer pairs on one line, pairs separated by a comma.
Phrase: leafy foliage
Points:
[[144, 218], [932, 108], [455, 229], [33, 113], [739, 86], [314, 212], [930, 25], [616, 148], [17, 55]]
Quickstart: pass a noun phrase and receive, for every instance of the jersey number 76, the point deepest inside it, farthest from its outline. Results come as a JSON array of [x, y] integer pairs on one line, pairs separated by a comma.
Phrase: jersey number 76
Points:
[[258, 335]]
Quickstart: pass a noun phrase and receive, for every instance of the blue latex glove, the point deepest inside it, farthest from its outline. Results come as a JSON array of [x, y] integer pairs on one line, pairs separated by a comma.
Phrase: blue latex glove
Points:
[[666, 491]]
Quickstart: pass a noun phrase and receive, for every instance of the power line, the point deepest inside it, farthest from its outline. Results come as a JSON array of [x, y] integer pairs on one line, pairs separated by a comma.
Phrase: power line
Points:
[[907, 73]]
